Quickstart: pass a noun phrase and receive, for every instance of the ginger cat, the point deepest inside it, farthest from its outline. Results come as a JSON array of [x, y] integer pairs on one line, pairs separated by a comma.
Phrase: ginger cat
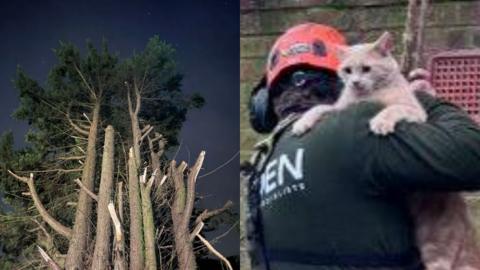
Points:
[[445, 235]]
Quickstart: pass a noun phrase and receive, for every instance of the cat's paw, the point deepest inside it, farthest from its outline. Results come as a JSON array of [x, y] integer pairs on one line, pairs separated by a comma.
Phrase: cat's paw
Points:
[[302, 125], [309, 118], [382, 125]]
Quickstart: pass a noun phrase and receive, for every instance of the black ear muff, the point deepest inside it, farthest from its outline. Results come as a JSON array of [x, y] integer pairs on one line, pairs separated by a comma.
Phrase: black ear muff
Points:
[[262, 117]]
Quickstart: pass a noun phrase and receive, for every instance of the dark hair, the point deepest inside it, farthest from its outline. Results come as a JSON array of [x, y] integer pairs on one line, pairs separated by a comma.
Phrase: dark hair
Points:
[[289, 98]]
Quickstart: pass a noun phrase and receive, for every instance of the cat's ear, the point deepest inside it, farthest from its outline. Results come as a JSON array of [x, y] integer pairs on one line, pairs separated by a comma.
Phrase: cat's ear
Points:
[[341, 52], [384, 44]]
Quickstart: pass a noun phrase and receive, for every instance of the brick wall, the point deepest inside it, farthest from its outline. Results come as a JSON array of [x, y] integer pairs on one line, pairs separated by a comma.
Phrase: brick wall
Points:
[[450, 25]]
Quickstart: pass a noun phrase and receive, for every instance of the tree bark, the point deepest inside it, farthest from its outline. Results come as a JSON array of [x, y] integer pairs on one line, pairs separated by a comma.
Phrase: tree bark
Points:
[[413, 35], [136, 235], [136, 132], [48, 260], [245, 244], [81, 235], [148, 225], [101, 253], [118, 244], [182, 211]]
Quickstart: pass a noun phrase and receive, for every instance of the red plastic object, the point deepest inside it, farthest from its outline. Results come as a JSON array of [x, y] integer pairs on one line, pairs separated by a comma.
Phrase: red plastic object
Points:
[[455, 75]]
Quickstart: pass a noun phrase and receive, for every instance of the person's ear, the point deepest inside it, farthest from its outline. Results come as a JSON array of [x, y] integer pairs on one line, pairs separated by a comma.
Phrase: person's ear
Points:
[[384, 44], [342, 52]]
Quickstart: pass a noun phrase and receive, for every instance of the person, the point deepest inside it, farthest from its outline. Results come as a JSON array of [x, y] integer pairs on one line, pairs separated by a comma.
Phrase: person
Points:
[[337, 197]]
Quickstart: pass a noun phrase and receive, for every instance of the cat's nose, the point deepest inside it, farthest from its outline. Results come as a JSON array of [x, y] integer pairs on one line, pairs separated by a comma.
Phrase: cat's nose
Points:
[[356, 84]]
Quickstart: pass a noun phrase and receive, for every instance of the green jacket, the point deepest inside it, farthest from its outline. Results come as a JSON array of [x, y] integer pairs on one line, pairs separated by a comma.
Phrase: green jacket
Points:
[[337, 197]]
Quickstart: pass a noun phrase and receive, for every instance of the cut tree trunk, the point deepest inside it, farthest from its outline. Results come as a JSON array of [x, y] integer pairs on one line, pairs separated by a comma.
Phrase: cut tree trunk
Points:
[[81, 233], [182, 211], [136, 235], [101, 253], [148, 225]]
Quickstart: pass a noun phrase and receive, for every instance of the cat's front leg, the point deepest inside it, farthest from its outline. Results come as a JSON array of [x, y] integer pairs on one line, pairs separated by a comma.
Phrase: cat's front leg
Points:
[[384, 122], [309, 118]]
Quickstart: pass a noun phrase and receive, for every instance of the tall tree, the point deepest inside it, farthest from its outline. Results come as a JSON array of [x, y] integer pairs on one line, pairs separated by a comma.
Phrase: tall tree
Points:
[[60, 168]]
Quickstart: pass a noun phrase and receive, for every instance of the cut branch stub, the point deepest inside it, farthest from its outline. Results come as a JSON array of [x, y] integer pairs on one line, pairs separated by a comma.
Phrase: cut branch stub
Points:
[[208, 214], [50, 262], [116, 222]]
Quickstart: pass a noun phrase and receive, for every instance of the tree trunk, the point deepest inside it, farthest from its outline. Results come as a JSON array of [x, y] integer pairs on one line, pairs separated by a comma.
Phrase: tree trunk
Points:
[[148, 225], [136, 235], [183, 247], [182, 211], [101, 253], [81, 235], [245, 248], [413, 35], [136, 132]]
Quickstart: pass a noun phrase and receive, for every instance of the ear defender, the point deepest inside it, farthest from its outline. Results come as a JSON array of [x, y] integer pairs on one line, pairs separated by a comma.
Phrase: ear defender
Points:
[[262, 116]]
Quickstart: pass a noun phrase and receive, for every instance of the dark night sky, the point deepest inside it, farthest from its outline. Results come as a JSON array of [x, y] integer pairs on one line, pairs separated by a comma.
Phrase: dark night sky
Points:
[[206, 37]]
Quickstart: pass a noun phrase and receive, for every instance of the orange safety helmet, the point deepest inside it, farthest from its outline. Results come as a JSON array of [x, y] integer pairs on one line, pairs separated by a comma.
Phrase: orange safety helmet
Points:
[[305, 44]]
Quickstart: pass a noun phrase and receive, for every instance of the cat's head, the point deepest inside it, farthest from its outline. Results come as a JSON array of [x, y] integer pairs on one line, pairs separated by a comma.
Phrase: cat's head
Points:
[[368, 67]]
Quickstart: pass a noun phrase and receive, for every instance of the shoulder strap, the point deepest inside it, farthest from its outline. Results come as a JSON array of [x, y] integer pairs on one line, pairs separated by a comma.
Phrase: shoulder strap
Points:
[[258, 161], [264, 148]]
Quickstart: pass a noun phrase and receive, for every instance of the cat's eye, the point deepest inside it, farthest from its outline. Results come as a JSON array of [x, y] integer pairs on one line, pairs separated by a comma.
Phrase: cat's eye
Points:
[[365, 69], [347, 70]]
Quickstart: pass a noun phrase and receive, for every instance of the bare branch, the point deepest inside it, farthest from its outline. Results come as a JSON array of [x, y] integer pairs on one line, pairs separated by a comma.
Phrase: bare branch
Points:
[[20, 178], [116, 222], [192, 178], [90, 193], [151, 180], [129, 100], [143, 176], [81, 149], [90, 88], [145, 128], [163, 180], [120, 200], [157, 137], [51, 263], [75, 126], [79, 138], [57, 226], [88, 119], [196, 230], [41, 227], [71, 158], [214, 251], [118, 245], [56, 170], [145, 133], [137, 100], [208, 214]]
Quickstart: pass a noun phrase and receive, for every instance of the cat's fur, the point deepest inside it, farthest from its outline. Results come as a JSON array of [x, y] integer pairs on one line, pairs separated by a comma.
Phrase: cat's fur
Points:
[[445, 235], [382, 82]]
